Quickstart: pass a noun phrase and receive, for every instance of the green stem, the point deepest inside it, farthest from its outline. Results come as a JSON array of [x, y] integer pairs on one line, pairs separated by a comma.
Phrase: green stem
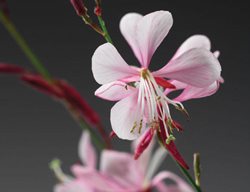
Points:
[[10, 27], [188, 177], [103, 26]]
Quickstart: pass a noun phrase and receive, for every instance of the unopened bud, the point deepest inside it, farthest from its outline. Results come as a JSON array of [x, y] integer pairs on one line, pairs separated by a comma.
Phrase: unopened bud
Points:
[[79, 7], [144, 143], [11, 69], [39, 83]]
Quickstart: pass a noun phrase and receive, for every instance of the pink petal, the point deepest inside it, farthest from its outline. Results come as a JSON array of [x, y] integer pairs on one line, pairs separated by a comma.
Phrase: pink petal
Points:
[[191, 92], [145, 34], [122, 167], [180, 184], [196, 67], [114, 91], [195, 41], [74, 186], [98, 181], [108, 65], [123, 116], [86, 150]]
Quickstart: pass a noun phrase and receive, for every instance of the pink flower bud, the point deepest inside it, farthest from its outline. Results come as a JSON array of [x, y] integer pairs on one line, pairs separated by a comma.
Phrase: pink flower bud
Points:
[[77, 102], [144, 143], [79, 7], [13, 69], [39, 83]]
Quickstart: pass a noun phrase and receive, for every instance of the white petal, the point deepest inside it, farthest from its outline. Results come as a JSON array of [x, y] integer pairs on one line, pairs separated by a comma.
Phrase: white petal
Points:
[[196, 67], [123, 116], [108, 65], [145, 34]]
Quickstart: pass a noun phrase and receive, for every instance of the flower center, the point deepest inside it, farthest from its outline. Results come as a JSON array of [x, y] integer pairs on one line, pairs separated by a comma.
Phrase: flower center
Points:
[[153, 105]]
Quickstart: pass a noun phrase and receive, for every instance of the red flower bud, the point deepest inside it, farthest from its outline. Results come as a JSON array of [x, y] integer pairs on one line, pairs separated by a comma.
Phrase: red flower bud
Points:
[[39, 83], [77, 102], [171, 146], [144, 143], [13, 69], [79, 7]]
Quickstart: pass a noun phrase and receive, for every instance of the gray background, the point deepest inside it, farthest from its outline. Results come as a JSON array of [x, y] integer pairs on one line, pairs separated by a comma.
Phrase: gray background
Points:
[[34, 128]]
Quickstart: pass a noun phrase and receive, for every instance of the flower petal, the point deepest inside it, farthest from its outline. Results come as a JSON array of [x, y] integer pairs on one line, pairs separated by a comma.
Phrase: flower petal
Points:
[[191, 92], [122, 167], [108, 65], [97, 180], [196, 67], [86, 150], [114, 91], [123, 116], [195, 41], [74, 186], [180, 184], [145, 34]]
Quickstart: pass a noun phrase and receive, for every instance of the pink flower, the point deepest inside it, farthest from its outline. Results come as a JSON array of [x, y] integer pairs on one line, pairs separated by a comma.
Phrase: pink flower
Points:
[[140, 92], [119, 172]]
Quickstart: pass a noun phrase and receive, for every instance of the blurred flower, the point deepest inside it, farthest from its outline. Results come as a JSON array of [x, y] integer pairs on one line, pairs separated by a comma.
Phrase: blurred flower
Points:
[[119, 172]]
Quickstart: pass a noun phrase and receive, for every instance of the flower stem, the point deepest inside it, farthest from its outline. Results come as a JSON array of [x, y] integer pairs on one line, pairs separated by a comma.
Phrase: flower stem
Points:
[[188, 177], [104, 28], [10, 27]]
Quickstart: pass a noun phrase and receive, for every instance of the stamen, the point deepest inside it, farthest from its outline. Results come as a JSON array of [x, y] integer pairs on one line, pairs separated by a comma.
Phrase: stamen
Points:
[[134, 126]]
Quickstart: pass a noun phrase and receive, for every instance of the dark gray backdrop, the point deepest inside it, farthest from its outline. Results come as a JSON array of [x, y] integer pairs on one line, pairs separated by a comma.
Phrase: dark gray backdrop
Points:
[[34, 128]]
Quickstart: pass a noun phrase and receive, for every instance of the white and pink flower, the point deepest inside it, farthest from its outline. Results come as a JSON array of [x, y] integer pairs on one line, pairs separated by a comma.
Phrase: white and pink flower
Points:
[[142, 102], [119, 172]]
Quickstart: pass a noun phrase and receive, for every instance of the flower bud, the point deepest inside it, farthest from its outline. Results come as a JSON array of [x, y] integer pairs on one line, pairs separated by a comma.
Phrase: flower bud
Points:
[[77, 102], [10, 69], [144, 143], [79, 7], [39, 83]]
